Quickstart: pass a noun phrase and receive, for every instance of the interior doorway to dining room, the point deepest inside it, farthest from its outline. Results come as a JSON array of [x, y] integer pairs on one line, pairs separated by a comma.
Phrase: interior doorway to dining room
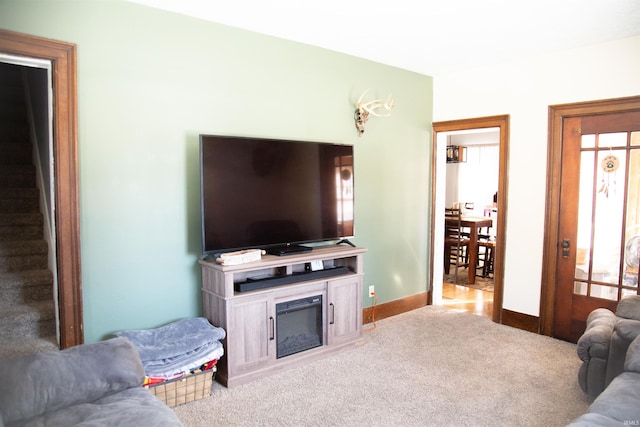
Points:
[[468, 165], [472, 186]]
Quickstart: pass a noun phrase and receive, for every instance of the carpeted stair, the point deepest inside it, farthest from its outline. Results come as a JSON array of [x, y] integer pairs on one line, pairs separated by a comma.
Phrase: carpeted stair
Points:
[[27, 309]]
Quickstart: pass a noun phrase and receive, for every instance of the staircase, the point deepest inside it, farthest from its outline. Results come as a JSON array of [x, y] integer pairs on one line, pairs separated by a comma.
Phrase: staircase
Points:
[[27, 308]]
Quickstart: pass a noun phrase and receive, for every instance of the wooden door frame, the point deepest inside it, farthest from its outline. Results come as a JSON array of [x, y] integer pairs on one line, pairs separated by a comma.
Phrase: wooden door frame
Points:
[[557, 114], [65, 136], [501, 122]]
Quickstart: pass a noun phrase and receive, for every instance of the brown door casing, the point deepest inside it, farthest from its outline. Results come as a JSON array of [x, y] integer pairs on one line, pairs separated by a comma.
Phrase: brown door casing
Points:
[[501, 122], [562, 313], [65, 141]]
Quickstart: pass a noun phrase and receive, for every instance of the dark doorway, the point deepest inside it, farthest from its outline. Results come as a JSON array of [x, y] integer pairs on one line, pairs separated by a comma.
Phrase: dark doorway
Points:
[[63, 59]]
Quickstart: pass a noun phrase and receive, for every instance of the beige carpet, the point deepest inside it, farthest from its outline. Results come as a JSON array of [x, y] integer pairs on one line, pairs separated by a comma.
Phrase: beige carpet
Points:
[[427, 367]]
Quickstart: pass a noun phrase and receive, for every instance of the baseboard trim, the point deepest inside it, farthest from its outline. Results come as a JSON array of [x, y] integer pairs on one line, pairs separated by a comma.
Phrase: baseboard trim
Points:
[[522, 321], [393, 308], [526, 322]]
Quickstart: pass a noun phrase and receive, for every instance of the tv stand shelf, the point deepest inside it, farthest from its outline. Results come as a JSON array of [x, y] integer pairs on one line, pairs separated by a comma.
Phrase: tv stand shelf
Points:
[[242, 299], [272, 281]]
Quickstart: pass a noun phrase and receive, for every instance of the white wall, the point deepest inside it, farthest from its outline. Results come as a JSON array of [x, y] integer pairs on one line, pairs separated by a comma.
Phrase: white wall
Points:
[[524, 89]]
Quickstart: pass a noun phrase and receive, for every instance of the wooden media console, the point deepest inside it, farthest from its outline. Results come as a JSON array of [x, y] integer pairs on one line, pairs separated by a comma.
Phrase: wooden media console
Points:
[[250, 300]]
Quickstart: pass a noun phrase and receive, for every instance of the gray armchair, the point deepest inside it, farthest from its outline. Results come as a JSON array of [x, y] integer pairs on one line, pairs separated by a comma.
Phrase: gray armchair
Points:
[[619, 403], [604, 344], [96, 384]]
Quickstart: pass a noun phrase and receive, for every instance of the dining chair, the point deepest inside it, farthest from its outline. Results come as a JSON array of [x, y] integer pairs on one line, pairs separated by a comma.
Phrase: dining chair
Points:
[[484, 236], [486, 256], [455, 244]]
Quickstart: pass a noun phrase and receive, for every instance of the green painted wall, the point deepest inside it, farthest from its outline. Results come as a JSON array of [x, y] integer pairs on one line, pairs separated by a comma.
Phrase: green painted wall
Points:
[[149, 82]]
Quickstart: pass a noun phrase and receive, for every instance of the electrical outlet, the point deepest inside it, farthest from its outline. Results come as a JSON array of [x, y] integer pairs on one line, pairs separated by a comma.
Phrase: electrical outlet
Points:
[[371, 291]]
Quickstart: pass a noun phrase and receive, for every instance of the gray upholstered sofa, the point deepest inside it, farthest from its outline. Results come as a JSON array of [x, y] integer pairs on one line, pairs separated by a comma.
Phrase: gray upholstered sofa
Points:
[[619, 403], [96, 384], [603, 346]]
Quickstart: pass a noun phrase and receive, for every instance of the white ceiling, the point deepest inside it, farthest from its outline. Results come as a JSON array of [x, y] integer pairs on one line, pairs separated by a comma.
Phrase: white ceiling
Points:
[[426, 36]]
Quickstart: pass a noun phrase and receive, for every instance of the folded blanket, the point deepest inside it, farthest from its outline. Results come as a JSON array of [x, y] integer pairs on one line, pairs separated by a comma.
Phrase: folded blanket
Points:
[[210, 366], [182, 364], [178, 347]]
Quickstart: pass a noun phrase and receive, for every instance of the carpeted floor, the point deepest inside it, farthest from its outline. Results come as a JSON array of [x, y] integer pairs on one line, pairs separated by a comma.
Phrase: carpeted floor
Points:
[[482, 283], [428, 367]]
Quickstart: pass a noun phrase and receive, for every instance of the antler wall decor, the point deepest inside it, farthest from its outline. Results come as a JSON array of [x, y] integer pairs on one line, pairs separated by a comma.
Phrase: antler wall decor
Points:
[[375, 107]]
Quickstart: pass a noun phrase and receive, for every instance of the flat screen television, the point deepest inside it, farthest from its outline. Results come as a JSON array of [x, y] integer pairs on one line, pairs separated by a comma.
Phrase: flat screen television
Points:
[[274, 194]]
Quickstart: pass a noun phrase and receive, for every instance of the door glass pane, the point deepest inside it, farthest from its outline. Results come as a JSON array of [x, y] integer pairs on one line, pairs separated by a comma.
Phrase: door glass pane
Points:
[[605, 292], [632, 224], [608, 223], [585, 203], [612, 139], [580, 288], [607, 231], [588, 141]]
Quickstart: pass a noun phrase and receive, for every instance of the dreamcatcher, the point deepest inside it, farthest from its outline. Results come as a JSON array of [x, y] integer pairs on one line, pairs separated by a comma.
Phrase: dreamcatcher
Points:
[[609, 165]]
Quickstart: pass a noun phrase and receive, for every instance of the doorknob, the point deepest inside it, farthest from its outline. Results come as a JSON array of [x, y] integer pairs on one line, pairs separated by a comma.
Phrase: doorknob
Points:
[[566, 248]]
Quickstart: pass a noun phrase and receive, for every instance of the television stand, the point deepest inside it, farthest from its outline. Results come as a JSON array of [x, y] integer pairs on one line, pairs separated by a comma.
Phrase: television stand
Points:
[[288, 250], [233, 298]]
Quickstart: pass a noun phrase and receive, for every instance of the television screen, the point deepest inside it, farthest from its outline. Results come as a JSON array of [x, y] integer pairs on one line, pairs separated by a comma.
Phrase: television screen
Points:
[[270, 194]]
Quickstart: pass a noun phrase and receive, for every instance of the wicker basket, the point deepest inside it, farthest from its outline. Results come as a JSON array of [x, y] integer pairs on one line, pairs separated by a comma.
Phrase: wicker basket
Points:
[[185, 389]]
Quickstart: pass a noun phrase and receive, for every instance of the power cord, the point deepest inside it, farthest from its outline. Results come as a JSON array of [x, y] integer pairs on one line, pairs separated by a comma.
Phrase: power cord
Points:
[[373, 313]]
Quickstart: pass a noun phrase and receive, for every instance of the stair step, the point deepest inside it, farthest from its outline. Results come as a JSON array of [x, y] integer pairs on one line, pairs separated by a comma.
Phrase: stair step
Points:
[[9, 264], [24, 287], [14, 248], [18, 279], [23, 263], [13, 116], [20, 232], [24, 205], [21, 219], [21, 226], [15, 200], [14, 153], [17, 176], [19, 193], [16, 131], [22, 347], [29, 320], [27, 307]]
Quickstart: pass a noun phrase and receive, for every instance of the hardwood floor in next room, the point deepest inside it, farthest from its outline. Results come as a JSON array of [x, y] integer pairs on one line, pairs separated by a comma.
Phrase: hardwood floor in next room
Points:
[[467, 299]]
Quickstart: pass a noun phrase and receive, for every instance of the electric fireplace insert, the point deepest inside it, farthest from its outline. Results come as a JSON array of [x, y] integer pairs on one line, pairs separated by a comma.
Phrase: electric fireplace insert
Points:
[[298, 325]]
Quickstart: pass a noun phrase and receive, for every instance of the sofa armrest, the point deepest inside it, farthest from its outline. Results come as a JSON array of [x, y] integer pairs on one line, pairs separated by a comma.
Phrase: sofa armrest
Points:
[[45, 382], [629, 307], [624, 332], [632, 362], [597, 336], [627, 329]]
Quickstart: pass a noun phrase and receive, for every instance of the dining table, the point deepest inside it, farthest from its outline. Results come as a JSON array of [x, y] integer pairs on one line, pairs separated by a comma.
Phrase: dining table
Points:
[[474, 224]]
